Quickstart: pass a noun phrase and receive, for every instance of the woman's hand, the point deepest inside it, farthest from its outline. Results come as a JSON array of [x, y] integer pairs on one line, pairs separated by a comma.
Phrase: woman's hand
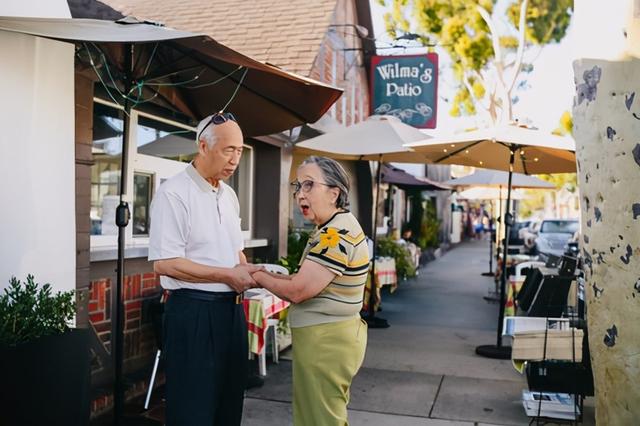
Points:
[[307, 283], [258, 275]]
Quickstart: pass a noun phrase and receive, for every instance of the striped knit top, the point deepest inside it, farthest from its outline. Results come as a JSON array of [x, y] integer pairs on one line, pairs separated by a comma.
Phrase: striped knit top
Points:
[[339, 245]]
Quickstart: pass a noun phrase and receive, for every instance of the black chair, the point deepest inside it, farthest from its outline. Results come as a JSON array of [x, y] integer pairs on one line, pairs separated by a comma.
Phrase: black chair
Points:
[[551, 298], [156, 312], [568, 266], [529, 288]]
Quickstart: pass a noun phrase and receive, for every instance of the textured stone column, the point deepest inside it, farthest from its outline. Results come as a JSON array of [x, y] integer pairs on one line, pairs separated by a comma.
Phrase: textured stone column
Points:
[[606, 116]]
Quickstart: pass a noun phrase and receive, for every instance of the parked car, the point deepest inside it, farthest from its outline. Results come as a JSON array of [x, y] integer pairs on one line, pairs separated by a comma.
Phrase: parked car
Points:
[[552, 236]]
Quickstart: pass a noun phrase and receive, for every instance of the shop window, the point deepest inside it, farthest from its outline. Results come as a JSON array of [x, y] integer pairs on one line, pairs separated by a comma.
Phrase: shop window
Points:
[[159, 148], [105, 172], [242, 183], [165, 139], [142, 188]]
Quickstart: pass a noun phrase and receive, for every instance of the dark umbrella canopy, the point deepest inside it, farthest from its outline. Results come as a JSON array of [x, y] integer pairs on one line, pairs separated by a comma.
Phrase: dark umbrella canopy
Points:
[[407, 181], [189, 73]]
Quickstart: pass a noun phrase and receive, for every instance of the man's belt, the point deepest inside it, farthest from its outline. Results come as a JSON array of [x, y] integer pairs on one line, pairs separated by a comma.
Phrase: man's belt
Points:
[[211, 296]]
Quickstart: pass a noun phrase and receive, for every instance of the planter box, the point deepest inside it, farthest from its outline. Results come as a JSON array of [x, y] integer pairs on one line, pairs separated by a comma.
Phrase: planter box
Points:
[[47, 381]]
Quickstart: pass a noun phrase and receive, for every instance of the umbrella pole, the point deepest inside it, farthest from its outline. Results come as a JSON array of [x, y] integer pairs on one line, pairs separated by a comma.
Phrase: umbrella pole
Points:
[[491, 235], [371, 319], [498, 351], [122, 220]]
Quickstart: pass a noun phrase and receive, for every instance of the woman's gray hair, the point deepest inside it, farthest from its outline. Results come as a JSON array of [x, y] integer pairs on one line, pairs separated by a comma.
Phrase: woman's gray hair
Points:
[[334, 175]]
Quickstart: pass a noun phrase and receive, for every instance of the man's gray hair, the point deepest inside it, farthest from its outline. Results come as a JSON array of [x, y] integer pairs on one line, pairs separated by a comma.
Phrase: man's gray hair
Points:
[[334, 175], [208, 135]]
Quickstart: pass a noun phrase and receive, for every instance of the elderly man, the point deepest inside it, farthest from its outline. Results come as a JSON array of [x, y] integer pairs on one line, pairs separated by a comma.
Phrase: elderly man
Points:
[[196, 244]]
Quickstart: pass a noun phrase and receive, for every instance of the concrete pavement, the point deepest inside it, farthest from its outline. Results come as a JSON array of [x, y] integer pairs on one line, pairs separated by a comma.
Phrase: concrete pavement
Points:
[[423, 369]]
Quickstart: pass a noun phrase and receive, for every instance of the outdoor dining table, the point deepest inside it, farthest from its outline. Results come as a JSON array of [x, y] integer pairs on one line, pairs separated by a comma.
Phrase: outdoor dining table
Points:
[[513, 287], [260, 305], [385, 270]]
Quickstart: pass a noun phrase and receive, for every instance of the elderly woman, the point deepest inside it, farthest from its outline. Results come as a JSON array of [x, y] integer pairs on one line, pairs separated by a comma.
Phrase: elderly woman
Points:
[[329, 338]]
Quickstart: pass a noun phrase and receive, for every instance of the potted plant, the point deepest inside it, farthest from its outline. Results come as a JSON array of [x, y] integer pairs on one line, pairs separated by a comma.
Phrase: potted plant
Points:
[[45, 363]]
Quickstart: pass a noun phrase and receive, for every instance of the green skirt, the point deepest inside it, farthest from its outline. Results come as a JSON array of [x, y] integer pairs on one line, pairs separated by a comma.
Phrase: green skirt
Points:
[[326, 357]]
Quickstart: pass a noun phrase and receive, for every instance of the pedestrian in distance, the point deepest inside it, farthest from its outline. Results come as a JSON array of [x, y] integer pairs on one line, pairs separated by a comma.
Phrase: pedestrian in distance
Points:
[[197, 246], [328, 336]]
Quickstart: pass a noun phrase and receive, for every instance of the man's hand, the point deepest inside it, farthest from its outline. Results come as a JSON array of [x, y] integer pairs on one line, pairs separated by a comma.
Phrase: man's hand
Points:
[[240, 277], [250, 267]]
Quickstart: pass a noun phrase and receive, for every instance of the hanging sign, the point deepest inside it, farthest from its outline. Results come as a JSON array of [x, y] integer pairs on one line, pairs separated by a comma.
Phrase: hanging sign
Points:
[[406, 87]]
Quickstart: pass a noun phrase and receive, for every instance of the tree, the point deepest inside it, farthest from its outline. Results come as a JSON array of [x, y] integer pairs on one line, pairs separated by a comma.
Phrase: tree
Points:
[[486, 63], [569, 181]]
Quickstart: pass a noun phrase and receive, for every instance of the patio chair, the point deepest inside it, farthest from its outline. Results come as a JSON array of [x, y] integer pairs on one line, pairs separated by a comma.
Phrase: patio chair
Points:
[[156, 311]]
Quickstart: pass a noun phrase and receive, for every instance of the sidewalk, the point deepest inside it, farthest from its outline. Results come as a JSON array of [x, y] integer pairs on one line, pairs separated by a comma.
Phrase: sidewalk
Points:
[[423, 369]]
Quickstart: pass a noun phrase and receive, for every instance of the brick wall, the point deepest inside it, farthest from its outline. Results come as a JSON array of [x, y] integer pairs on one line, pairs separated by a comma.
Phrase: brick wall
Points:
[[139, 337], [337, 65], [140, 290]]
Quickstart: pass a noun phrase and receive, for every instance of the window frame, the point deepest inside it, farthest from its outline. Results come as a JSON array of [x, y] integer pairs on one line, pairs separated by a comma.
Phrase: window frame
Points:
[[159, 169]]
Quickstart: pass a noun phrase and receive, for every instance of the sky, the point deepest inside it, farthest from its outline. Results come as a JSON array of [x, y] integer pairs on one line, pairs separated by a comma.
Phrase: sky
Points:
[[595, 32]]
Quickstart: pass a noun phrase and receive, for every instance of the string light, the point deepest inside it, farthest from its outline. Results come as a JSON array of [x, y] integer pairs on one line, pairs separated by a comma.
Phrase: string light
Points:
[[139, 85]]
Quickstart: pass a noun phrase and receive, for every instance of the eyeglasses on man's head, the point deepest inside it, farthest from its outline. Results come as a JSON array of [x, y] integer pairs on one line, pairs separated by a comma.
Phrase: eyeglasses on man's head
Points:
[[216, 119]]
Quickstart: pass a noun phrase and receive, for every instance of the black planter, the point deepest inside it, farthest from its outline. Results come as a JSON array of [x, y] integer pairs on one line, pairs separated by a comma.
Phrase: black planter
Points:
[[47, 381]]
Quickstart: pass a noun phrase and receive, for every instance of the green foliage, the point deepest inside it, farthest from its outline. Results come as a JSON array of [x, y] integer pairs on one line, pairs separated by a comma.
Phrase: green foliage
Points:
[[460, 30], [429, 228], [565, 126], [28, 312], [535, 199], [296, 243], [387, 247], [547, 20]]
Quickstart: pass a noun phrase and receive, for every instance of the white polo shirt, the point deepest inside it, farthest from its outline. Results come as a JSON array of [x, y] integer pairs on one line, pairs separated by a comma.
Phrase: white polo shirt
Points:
[[192, 219]]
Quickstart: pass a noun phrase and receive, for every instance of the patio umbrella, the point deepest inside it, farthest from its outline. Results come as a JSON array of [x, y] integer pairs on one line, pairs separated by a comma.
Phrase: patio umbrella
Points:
[[169, 146], [510, 148], [379, 138], [489, 193], [407, 181], [367, 140], [499, 180], [145, 65]]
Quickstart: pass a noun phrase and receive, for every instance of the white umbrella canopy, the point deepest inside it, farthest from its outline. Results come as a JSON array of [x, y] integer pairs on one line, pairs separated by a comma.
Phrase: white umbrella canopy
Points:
[[511, 148], [498, 178], [368, 140], [535, 151], [489, 193], [169, 146]]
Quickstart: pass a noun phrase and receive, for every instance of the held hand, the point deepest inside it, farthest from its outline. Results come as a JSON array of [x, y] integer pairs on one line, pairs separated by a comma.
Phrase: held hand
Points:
[[240, 278], [256, 277], [250, 267]]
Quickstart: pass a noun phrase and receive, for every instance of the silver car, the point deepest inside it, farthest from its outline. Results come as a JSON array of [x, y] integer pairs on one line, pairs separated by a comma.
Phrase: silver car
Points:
[[553, 236]]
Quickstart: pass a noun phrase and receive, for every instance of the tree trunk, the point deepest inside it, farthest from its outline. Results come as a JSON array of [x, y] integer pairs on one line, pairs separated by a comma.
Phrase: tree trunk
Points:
[[606, 127]]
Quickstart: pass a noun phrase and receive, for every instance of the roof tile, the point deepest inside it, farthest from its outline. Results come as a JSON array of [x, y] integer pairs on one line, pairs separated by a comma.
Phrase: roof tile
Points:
[[287, 34]]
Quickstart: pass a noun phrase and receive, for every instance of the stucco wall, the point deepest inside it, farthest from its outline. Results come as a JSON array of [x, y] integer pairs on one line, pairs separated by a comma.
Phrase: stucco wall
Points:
[[606, 128], [37, 171]]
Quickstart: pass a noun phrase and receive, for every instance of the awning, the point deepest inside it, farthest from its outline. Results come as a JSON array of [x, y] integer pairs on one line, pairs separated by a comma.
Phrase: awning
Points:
[[404, 180], [188, 73]]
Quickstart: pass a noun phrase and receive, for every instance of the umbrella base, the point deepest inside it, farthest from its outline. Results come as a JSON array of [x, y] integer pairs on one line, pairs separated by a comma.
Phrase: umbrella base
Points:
[[492, 298], [488, 274], [493, 351]]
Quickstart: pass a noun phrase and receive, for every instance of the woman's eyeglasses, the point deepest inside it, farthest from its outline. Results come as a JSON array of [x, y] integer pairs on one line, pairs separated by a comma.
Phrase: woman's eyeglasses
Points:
[[305, 186], [218, 118]]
